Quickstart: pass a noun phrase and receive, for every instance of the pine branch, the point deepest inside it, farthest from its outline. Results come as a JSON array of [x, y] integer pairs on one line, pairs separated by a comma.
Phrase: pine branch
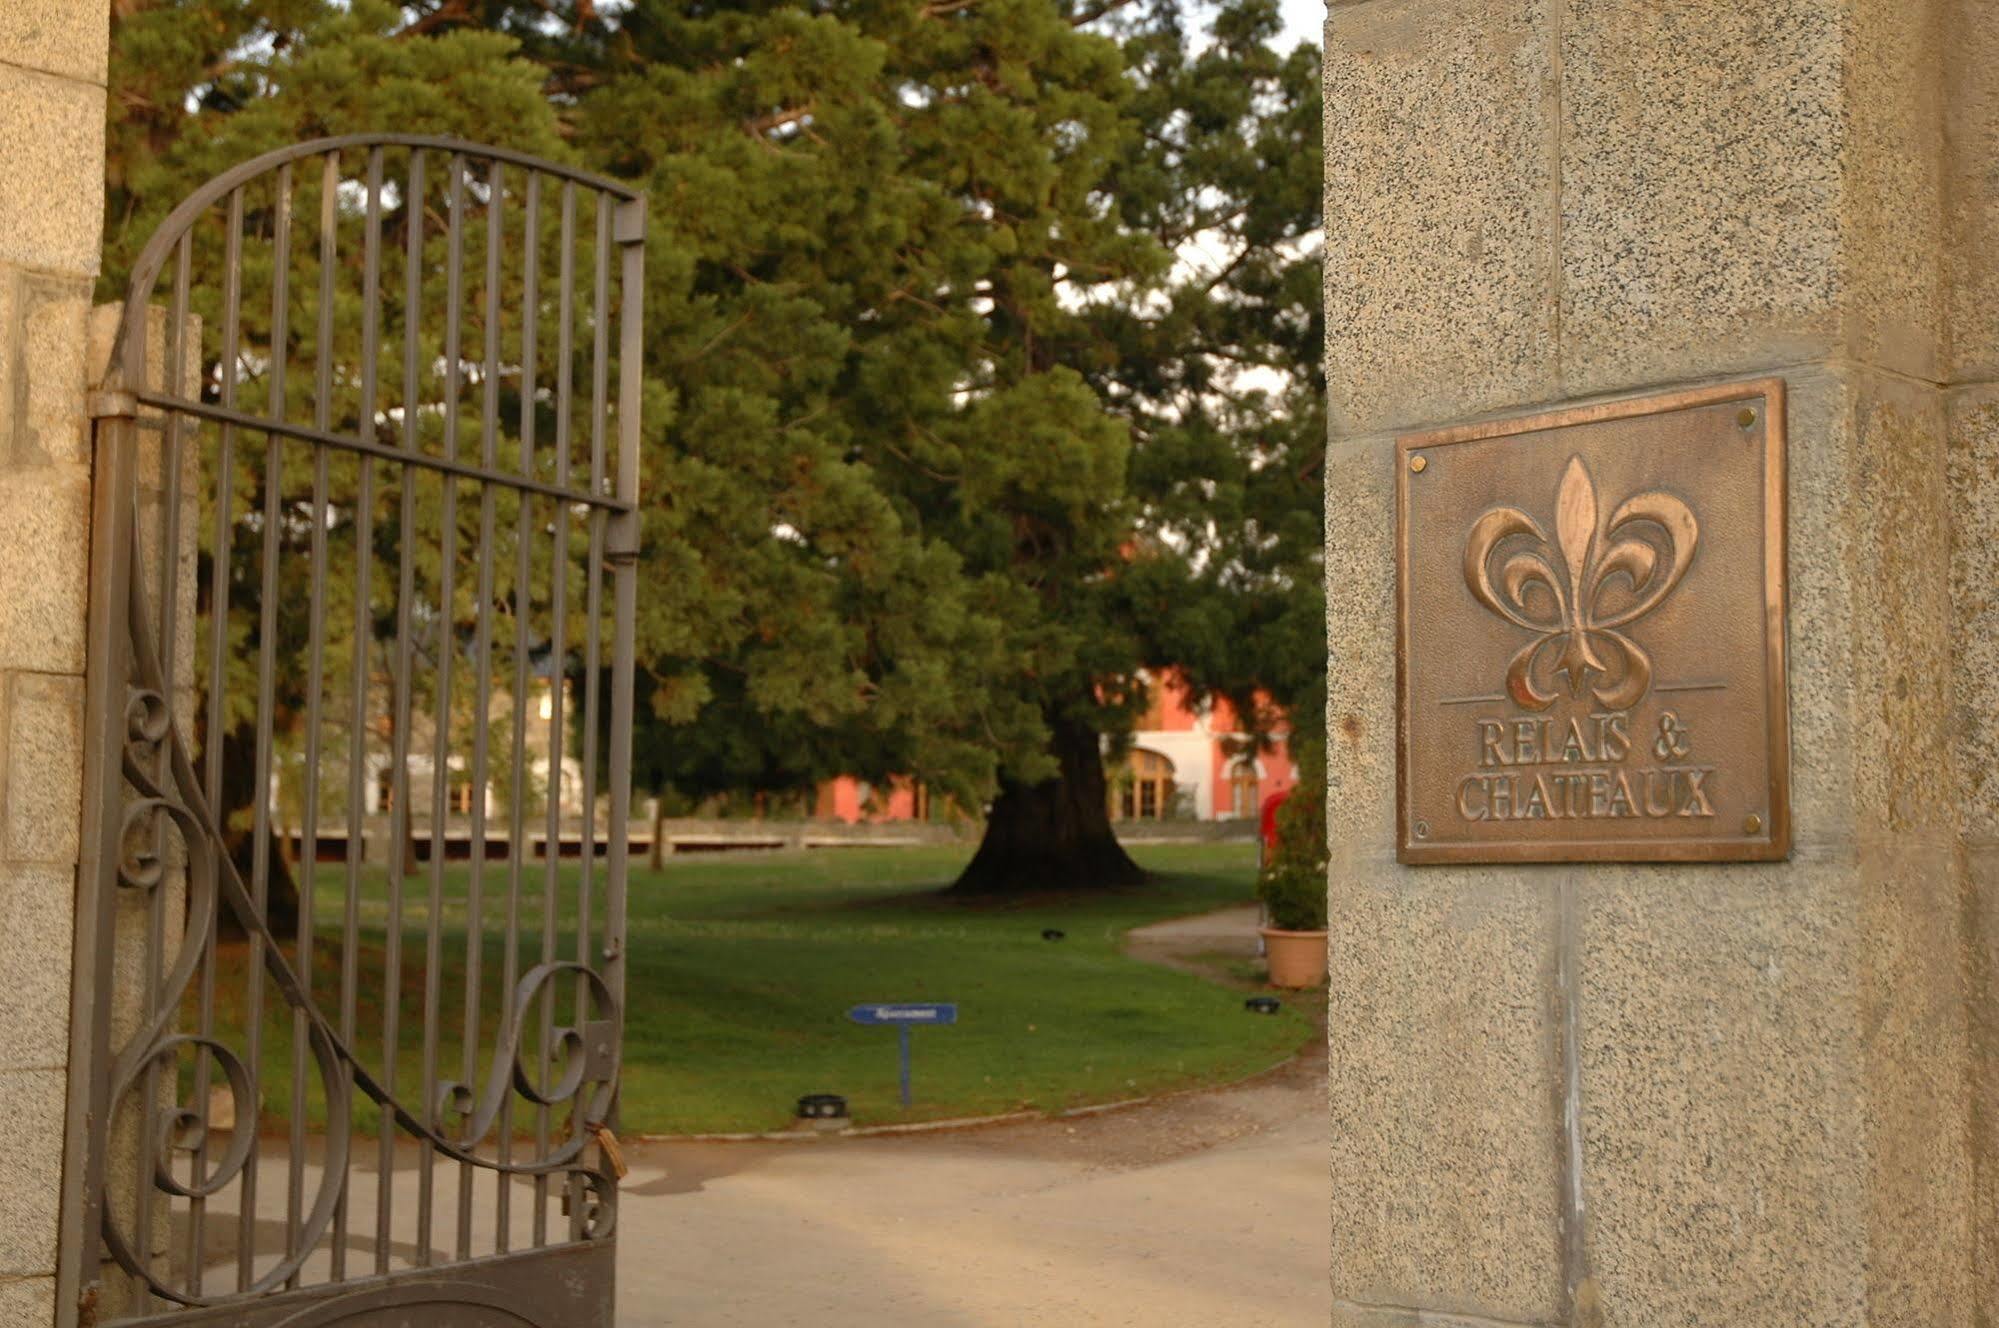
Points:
[[1091, 15], [763, 124]]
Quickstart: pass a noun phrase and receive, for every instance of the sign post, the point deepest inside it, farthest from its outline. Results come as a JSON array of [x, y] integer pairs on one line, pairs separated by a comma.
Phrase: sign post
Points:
[[903, 1016]]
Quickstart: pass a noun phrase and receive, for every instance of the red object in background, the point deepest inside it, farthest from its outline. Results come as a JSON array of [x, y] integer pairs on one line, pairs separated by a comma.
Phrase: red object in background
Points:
[[1267, 824]]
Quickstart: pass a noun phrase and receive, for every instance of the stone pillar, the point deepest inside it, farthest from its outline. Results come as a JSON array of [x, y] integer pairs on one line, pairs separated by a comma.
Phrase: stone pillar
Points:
[[1681, 1095], [52, 74]]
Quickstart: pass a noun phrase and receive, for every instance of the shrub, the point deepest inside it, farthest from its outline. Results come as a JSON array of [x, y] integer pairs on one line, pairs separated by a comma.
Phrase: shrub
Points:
[[1292, 884]]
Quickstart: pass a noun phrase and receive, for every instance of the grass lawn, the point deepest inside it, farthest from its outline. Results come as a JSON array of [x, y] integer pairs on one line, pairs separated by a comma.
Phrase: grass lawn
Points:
[[741, 969]]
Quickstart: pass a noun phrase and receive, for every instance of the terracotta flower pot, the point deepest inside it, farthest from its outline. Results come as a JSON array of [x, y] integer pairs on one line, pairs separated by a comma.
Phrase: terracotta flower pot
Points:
[[1296, 958]]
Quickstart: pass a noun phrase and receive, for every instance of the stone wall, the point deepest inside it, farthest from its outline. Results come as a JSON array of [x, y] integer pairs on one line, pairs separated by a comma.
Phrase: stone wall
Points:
[[1784, 1077], [52, 73]]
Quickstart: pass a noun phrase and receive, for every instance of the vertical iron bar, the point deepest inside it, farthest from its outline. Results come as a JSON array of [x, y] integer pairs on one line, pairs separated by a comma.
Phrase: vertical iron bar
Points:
[[168, 601], [105, 683], [558, 607], [523, 604], [364, 639], [308, 855], [357, 730], [400, 831], [600, 360], [482, 651], [280, 317], [600, 378], [218, 646], [623, 550], [447, 647]]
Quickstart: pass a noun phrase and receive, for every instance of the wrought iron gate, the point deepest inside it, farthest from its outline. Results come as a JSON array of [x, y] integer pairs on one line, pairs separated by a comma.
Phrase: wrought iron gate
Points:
[[359, 489]]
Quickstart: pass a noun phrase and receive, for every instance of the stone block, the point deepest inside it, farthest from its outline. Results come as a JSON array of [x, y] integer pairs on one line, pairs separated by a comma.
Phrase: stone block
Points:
[[31, 1130], [1875, 493], [1869, 610], [1723, 1089], [37, 908], [1444, 1084], [1361, 646], [44, 768], [1971, 189], [1974, 495], [29, 1302], [51, 173], [1737, 188], [1974, 600], [45, 530], [1440, 210], [45, 412], [67, 37], [102, 339], [1983, 1050]]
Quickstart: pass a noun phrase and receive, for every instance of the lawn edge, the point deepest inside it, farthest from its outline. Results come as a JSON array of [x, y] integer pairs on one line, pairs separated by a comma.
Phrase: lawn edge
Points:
[[974, 1122]]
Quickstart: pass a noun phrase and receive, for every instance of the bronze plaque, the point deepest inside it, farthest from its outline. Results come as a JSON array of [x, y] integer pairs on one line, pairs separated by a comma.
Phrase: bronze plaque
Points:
[[1592, 634]]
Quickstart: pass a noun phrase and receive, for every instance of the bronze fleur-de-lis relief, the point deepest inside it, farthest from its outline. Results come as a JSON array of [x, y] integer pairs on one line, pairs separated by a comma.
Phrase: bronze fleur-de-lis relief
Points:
[[1579, 591]]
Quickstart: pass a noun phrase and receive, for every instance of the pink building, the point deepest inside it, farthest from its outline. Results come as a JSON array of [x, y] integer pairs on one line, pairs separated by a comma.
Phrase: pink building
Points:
[[1196, 762], [1187, 762]]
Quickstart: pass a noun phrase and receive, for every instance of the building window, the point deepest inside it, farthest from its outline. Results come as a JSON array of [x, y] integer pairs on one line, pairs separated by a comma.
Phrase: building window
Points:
[[1243, 788], [1144, 788]]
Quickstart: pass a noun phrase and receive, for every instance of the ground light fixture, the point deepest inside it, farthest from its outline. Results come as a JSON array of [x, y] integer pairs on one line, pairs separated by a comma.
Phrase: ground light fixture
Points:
[[822, 1106], [1263, 1005]]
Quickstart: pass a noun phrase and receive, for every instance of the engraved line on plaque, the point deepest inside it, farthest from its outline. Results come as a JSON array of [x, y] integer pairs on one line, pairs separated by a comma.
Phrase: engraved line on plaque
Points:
[[1578, 595]]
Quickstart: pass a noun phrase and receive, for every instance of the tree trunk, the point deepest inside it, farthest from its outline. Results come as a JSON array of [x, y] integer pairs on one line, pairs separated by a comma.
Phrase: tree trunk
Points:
[[1054, 835], [237, 816], [656, 857]]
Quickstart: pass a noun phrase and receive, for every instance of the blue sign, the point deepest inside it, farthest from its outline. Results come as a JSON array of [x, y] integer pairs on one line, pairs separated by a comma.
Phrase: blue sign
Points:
[[903, 1016], [904, 1013]]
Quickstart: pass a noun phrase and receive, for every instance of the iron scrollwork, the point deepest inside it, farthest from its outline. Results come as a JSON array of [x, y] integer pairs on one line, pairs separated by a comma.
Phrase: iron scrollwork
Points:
[[167, 791]]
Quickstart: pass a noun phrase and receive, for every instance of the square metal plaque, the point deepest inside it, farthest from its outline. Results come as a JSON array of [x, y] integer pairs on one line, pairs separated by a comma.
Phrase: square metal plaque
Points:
[[1591, 662]]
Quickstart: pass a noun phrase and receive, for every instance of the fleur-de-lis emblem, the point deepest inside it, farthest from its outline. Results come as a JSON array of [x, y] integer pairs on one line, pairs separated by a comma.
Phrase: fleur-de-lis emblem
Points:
[[1564, 590]]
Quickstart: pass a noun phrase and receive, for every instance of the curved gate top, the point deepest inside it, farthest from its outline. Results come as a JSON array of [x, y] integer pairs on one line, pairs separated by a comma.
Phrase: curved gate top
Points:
[[349, 969]]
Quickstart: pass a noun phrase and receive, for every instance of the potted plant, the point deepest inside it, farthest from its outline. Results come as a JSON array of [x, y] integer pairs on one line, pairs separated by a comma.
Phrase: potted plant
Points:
[[1292, 886]]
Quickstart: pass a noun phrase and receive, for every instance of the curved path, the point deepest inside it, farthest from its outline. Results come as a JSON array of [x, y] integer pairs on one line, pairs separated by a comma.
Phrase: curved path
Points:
[[1206, 1210]]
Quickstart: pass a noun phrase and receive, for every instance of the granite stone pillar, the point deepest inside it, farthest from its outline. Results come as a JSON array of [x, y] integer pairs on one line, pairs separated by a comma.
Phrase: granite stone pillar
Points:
[[52, 74], [1733, 1094]]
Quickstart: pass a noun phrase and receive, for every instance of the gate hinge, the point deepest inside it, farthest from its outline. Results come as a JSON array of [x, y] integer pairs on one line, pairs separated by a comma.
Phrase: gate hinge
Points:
[[631, 221], [621, 542], [111, 404]]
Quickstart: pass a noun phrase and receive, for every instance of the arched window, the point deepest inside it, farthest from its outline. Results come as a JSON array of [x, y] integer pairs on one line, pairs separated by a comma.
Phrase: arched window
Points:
[[1243, 787], [1144, 789]]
